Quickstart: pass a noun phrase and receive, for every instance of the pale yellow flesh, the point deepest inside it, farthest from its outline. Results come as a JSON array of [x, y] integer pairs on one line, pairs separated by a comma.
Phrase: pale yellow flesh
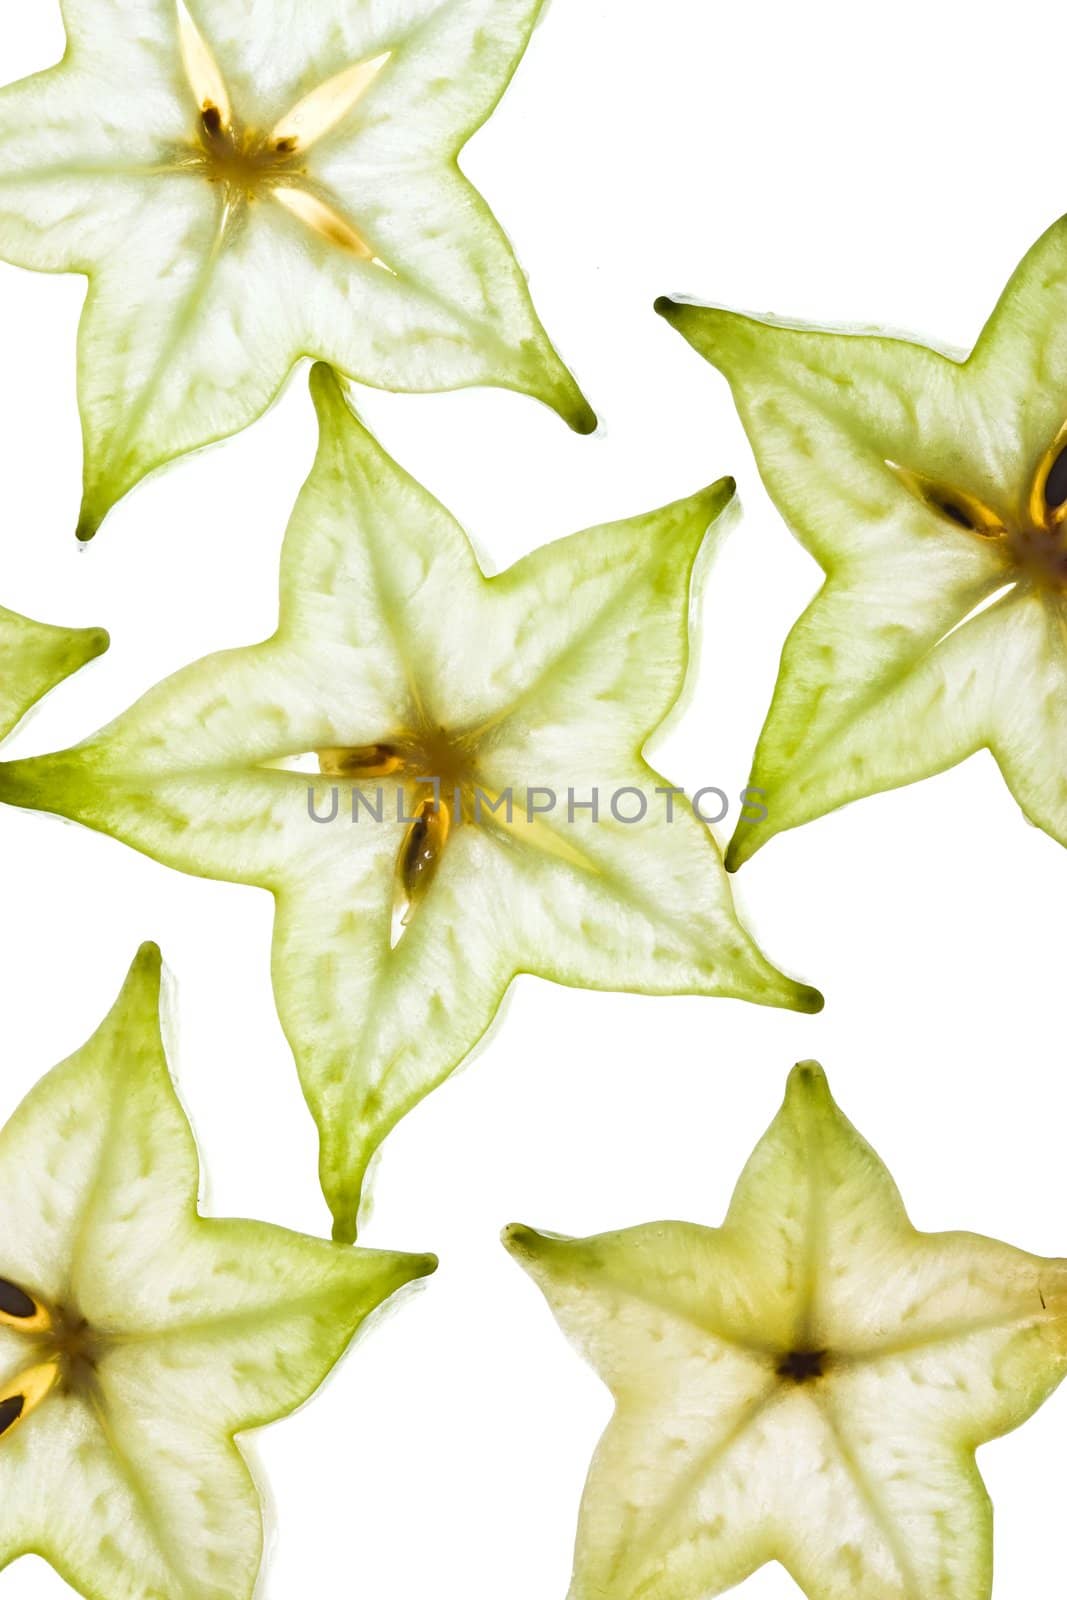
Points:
[[158, 1335], [806, 1384]]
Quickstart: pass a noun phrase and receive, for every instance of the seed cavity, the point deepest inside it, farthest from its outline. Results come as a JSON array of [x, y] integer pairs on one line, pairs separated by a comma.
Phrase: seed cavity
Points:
[[25, 1394], [325, 221], [955, 513], [368, 761], [11, 1410], [1055, 486], [202, 72], [326, 105], [1048, 488], [962, 509], [802, 1366], [15, 1302], [21, 1311], [420, 854]]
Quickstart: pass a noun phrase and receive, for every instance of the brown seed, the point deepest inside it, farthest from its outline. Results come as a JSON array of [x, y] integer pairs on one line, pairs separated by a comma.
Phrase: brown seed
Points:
[[367, 761], [420, 854], [10, 1412], [1056, 482], [15, 1302], [955, 512]]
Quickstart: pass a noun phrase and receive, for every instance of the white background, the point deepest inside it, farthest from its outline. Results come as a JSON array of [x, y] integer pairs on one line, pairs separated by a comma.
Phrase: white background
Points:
[[824, 161]]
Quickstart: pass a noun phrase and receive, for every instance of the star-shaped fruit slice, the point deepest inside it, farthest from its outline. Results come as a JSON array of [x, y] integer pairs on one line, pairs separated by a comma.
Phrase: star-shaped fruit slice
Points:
[[444, 841], [137, 1338], [933, 493], [244, 186], [807, 1384], [34, 657]]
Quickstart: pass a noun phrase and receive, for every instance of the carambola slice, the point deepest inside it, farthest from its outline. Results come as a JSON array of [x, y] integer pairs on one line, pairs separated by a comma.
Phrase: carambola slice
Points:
[[807, 1384], [137, 1338], [933, 493], [404, 914], [246, 185]]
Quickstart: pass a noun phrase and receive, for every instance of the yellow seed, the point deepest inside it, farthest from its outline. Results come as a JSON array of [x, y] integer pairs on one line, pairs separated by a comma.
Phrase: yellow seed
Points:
[[20, 1310], [324, 107], [420, 854], [1049, 509], [203, 72], [368, 761], [24, 1394], [958, 506], [323, 220]]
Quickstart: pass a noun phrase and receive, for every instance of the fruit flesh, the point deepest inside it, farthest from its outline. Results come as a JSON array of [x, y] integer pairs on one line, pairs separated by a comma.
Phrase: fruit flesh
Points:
[[806, 1384], [138, 1338], [35, 657], [932, 493], [403, 914], [244, 190]]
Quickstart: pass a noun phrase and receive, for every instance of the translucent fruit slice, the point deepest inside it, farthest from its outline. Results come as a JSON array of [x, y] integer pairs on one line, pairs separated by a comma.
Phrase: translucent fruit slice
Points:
[[245, 187], [419, 867], [933, 493], [138, 1339], [807, 1384]]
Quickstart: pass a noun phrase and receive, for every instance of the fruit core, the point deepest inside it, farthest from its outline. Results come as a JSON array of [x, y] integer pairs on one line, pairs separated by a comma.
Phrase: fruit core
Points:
[[435, 771], [1033, 539], [61, 1353], [249, 164], [802, 1366]]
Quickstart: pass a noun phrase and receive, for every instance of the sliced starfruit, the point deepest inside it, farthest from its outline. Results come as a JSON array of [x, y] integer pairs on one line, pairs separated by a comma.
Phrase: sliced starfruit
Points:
[[807, 1384], [137, 1338], [244, 186], [460, 730], [34, 657], [933, 493]]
